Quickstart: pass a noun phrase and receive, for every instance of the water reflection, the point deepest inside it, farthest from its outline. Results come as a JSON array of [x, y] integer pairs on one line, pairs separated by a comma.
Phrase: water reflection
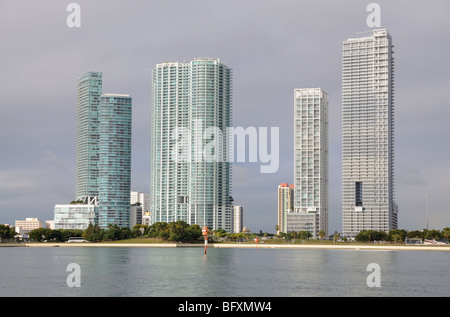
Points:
[[188, 272]]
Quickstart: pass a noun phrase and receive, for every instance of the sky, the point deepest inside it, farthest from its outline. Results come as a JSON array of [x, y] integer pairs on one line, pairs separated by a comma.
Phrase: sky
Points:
[[273, 48]]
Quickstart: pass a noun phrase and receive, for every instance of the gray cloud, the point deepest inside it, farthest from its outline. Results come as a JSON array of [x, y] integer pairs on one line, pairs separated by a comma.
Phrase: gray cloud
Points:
[[273, 48]]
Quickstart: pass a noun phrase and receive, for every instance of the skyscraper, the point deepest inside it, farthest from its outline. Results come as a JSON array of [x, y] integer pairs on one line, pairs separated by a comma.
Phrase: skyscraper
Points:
[[87, 151], [190, 179], [311, 162], [238, 220], [368, 134], [115, 160], [103, 156], [285, 204]]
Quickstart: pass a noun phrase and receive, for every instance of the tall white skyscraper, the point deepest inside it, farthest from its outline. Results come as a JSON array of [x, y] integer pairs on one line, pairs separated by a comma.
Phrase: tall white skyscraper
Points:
[[190, 103], [368, 134], [311, 163]]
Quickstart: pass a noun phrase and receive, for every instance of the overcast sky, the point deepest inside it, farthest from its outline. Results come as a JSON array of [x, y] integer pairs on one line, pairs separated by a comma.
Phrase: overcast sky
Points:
[[272, 46]]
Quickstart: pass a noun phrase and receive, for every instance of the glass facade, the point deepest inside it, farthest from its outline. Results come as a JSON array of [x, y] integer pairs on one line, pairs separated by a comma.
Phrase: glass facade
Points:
[[189, 99], [115, 160], [368, 134], [87, 151], [77, 216]]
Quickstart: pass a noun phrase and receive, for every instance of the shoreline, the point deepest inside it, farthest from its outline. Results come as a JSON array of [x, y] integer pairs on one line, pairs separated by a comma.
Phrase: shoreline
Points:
[[241, 246]]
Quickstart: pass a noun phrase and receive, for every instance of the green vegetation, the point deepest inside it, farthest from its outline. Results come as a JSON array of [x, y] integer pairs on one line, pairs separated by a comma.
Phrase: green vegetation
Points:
[[180, 231], [176, 231], [7, 233], [74, 202], [400, 235], [50, 235]]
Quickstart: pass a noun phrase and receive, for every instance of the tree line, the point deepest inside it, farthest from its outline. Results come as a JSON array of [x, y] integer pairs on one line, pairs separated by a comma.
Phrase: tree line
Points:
[[178, 231], [400, 235]]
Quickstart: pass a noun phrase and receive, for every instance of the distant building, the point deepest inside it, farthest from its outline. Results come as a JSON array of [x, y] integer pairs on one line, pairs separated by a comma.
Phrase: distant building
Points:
[[135, 215], [146, 219], [25, 226], [50, 224], [76, 216], [285, 204], [238, 219], [303, 221], [143, 199]]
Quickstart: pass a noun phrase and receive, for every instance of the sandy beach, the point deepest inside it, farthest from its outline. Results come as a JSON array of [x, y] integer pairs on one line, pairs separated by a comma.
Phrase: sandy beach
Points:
[[242, 246]]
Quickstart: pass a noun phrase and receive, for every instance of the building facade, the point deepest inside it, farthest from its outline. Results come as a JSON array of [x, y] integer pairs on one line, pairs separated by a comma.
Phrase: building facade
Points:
[[141, 198], [87, 143], [114, 178], [190, 176], [76, 216], [27, 225], [368, 134], [311, 162], [238, 218], [285, 205]]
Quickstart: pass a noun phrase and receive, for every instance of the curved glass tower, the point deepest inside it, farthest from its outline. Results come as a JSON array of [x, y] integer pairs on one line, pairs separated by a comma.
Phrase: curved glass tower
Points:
[[115, 160], [190, 175], [87, 153]]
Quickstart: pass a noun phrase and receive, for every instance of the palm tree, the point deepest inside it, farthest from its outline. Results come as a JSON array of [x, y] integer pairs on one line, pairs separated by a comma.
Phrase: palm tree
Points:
[[321, 234]]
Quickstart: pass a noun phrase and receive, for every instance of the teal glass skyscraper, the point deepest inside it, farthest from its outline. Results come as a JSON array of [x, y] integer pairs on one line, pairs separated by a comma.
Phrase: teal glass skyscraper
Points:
[[115, 160], [87, 151], [191, 109]]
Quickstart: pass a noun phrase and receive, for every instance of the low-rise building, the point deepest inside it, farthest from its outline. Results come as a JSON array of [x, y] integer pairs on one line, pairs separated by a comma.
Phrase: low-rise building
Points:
[[76, 216], [25, 226]]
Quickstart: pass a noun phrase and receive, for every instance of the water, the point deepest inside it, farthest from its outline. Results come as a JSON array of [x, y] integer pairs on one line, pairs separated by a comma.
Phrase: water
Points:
[[187, 272]]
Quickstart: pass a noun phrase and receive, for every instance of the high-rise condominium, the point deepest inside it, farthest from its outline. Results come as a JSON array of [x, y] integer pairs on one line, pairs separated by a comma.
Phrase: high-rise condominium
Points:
[[311, 163], [368, 134], [115, 160], [285, 205], [87, 153], [103, 158], [238, 216], [190, 179]]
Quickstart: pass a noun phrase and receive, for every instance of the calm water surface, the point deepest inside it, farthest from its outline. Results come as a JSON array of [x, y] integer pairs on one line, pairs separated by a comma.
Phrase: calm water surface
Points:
[[187, 272]]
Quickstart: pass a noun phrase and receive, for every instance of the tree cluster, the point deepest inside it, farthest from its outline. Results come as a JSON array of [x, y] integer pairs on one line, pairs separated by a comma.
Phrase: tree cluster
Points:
[[221, 234], [53, 235], [400, 235], [7, 233], [296, 235], [174, 231]]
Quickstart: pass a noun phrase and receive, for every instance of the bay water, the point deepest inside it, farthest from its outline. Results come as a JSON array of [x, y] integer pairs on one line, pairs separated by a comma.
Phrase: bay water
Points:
[[223, 272]]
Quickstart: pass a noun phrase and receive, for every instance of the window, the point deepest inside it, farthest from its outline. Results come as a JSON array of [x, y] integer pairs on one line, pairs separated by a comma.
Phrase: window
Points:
[[358, 194]]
